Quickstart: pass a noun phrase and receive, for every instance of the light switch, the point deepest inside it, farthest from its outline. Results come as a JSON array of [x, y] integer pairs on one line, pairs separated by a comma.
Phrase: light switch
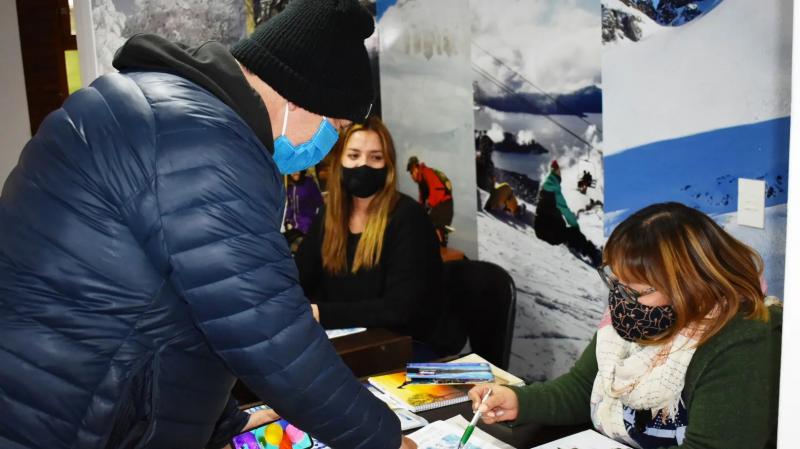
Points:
[[752, 200]]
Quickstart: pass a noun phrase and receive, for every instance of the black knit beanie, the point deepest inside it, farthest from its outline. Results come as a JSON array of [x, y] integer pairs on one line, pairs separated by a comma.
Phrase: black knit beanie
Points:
[[313, 55]]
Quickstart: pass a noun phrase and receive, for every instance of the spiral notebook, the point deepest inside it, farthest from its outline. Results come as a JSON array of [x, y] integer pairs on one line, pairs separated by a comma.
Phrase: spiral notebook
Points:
[[418, 398]]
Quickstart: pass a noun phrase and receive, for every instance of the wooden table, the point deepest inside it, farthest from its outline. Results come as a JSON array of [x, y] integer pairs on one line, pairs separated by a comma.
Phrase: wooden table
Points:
[[374, 351], [523, 436], [366, 353]]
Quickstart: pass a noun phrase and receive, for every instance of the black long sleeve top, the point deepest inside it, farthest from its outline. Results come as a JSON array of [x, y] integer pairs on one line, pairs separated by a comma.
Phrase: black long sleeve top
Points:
[[403, 292]]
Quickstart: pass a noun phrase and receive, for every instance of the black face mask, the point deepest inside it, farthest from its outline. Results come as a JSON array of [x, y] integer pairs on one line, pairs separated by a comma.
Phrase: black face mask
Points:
[[363, 181], [634, 321]]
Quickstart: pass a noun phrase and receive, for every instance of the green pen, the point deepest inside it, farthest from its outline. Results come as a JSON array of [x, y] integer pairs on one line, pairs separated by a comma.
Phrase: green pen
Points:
[[471, 427]]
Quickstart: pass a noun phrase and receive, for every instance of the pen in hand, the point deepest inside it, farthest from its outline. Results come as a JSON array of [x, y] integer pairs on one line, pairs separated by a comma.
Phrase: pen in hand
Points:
[[471, 427]]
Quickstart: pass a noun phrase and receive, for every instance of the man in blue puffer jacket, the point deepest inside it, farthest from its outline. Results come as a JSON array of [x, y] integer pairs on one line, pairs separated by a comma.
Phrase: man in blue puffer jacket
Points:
[[141, 265]]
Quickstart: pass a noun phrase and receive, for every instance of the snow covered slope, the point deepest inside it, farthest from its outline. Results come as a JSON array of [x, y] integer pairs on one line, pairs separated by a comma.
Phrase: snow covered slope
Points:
[[559, 299]]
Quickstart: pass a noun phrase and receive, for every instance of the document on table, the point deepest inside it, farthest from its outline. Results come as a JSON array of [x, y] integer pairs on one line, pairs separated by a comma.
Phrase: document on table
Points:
[[408, 419], [336, 333], [446, 435], [462, 423], [588, 439]]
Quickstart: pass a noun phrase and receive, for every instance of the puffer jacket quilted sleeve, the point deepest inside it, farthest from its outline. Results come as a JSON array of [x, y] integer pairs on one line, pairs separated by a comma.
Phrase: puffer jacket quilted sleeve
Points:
[[141, 265], [219, 203], [207, 212]]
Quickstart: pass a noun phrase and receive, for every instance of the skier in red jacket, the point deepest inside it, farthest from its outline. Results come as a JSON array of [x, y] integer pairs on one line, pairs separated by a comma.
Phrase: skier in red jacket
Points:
[[436, 194]]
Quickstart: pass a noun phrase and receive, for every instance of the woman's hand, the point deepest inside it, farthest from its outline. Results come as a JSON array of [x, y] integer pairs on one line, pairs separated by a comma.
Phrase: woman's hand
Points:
[[502, 405]]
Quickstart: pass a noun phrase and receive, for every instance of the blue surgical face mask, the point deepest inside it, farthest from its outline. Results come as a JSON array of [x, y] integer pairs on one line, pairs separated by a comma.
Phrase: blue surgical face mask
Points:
[[291, 158]]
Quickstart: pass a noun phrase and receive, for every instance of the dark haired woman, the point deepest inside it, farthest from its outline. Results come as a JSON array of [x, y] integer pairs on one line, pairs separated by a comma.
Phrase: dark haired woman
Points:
[[688, 352], [371, 258]]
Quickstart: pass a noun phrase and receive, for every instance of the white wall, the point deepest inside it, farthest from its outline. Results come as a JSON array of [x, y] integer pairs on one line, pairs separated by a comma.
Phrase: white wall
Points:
[[15, 128], [790, 361], [87, 53]]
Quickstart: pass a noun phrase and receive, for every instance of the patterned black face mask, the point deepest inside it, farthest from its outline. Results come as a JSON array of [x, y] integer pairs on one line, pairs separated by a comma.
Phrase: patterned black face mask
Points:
[[634, 321]]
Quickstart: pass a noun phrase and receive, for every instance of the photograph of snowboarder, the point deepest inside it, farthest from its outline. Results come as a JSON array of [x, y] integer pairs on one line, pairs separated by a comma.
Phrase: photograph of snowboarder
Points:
[[556, 224], [539, 174]]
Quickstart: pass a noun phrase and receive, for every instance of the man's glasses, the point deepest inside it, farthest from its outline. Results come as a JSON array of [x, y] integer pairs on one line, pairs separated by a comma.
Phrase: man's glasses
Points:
[[628, 294]]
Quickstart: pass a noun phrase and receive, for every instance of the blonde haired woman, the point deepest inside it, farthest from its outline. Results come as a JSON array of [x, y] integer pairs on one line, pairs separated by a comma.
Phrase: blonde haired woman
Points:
[[376, 260], [688, 352]]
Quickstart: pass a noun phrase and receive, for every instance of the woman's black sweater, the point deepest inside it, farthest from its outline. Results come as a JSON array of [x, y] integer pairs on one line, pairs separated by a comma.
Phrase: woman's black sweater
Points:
[[402, 293]]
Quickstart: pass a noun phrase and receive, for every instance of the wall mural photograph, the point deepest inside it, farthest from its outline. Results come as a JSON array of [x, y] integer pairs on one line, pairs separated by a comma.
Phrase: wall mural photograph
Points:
[[427, 106], [661, 60], [190, 22], [538, 152], [530, 129]]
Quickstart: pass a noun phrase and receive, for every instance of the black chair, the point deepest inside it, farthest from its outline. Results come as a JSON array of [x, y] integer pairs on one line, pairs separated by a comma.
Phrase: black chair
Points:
[[483, 298]]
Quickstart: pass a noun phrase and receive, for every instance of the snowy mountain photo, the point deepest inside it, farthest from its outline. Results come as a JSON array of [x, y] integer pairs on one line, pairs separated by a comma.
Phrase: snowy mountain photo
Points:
[[538, 104], [426, 90], [580, 102], [690, 109], [673, 12], [559, 300], [190, 22]]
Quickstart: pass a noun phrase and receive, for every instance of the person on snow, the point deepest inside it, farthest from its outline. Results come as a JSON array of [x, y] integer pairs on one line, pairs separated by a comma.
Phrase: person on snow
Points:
[[435, 193], [556, 224], [502, 199]]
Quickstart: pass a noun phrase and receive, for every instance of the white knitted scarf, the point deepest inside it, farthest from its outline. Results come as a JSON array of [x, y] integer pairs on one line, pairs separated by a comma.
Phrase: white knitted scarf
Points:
[[637, 376]]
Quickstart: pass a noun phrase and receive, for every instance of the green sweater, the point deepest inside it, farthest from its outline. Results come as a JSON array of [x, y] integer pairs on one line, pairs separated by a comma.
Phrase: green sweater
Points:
[[730, 392]]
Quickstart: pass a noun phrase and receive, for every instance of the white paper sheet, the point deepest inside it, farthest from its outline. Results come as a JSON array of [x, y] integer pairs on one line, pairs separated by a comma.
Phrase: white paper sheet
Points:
[[445, 435], [336, 333], [462, 423], [588, 439], [390, 401], [408, 419]]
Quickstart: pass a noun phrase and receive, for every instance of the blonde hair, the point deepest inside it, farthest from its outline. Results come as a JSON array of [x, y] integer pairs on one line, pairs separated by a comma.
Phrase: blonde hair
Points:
[[339, 206], [707, 274]]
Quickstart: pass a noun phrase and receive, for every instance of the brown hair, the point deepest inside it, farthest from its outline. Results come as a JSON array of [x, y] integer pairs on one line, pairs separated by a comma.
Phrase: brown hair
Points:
[[339, 206], [707, 274]]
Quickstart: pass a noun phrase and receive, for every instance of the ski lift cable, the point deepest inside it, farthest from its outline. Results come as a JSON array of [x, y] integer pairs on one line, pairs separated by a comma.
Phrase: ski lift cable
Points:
[[507, 89], [555, 100]]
